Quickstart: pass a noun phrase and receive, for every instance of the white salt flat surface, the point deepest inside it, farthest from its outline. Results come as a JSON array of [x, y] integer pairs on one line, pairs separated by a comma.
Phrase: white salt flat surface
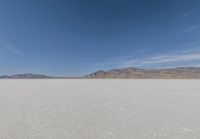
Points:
[[99, 109]]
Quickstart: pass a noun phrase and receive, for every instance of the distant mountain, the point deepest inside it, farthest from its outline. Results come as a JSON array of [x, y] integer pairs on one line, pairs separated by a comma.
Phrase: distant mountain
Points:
[[124, 73], [170, 73], [25, 76]]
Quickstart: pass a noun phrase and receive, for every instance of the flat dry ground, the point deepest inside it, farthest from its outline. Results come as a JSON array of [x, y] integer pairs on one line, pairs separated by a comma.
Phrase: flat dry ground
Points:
[[99, 109]]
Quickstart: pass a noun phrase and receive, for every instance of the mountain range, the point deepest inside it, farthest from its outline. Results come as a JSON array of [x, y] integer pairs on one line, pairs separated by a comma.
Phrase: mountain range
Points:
[[125, 73], [170, 73], [25, 76]]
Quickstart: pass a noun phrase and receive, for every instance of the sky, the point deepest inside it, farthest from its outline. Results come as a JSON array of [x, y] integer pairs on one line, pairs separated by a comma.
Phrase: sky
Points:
[[76, 37]]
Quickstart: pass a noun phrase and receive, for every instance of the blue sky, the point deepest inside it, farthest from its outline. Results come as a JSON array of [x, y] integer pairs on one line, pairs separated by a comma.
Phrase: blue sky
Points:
[[76, 37]]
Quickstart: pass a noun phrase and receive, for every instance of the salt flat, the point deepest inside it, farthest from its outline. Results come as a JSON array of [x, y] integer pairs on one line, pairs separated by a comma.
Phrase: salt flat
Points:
[[99, 109]]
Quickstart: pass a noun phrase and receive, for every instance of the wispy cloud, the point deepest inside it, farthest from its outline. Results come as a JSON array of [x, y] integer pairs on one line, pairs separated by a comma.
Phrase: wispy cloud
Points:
[[191, 28], [191, 44], [191, 50], [172, 58], [122, 61], [188, 55], [143, 50], [109, 63], [186, 14], [9, 46]]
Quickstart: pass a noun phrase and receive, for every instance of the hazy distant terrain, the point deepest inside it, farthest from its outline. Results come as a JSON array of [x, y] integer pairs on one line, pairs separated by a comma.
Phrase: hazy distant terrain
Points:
[[25, 76], [99, 109]]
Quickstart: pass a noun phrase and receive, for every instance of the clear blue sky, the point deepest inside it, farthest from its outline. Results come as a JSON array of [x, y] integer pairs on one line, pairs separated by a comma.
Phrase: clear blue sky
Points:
[[76, 37]]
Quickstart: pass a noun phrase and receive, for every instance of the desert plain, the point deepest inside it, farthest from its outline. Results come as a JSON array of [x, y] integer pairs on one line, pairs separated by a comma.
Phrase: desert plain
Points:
[[99, 109]]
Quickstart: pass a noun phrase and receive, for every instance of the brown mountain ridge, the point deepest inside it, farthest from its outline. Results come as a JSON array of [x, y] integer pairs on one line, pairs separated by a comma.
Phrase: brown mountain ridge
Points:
[[137, 73]]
